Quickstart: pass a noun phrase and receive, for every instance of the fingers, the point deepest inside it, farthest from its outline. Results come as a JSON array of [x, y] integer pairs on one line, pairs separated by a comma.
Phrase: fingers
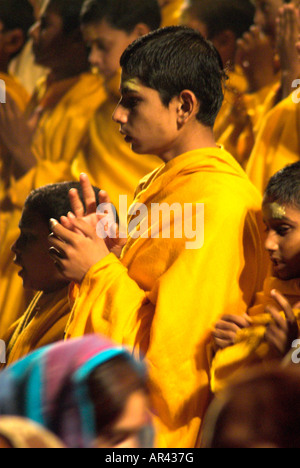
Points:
[[226, 329], [88, 194], [76, 203], [284, 305]]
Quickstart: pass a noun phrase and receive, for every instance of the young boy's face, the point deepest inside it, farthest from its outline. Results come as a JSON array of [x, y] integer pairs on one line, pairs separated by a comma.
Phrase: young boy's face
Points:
[[32, 255], [266, 12], [49, 41], [283, 239], [149, 126], [106, 46]]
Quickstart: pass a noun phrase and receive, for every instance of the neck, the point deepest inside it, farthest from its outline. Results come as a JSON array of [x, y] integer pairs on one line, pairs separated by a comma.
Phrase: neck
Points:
[[63, 74], [196, 138]]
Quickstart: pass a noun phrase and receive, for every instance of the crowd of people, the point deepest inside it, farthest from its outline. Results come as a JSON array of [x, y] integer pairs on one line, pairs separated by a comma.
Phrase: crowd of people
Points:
[[149, 223]]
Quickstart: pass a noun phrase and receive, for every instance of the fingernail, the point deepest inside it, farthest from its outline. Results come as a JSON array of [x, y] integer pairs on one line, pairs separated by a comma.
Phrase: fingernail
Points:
[[53, 223], [71, 215]]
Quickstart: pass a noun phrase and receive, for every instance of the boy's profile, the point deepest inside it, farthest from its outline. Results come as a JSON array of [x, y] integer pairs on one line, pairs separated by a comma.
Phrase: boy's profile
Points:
[[108, 27], [46, 317], [271, 325], [44, 142], [159, 297]]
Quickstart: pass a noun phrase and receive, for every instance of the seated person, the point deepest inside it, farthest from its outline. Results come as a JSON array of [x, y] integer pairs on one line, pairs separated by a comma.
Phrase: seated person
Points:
[[271, 325], [149, 298], [45, 319], [88, 392]]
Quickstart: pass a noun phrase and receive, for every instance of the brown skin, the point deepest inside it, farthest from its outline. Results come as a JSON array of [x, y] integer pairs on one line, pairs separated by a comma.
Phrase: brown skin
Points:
[[56, 50], [31, 251], [283, 245]]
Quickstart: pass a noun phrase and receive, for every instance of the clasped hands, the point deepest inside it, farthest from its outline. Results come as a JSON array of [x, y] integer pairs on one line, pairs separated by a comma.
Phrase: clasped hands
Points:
[[75, 246], [280, 332]]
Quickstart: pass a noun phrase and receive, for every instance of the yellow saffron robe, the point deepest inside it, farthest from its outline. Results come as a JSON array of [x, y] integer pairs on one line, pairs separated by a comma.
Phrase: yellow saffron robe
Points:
[[20, 96], [43, 323], [250, 347], [171, 12], [277, 144], [162, 298], [66, 109]]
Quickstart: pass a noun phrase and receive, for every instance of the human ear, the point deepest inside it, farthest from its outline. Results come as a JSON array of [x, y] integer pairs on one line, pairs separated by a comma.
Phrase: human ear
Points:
[[187, 106], [13, 42], [141, 29]]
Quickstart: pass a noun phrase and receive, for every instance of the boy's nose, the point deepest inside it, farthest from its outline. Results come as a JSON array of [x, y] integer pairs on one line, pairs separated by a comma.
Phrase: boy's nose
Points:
[[95, 58], [271, 244], [119, 114], [14, 248]]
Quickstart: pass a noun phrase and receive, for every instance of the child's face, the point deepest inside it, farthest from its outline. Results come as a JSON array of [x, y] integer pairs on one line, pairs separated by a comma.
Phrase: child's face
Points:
[[49, 41], [106, 46], [32, 255], [266, 14], [149, 126], [283, 239]]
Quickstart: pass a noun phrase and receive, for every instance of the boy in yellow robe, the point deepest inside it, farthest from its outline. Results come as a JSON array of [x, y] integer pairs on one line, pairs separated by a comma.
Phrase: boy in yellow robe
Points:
[[277, 143], [45, 319], [109, 26], [229, 25], [160, 297], [23, 66], [16, 17], [44, 145], [269, 329]]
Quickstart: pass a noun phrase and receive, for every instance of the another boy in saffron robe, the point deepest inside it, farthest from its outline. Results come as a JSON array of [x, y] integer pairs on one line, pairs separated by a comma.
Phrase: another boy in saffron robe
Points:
[[44, 144], [160, 296], [268, 330], [45, 319]]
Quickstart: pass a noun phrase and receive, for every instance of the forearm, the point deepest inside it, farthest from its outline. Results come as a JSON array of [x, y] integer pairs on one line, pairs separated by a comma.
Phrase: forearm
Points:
[[112, 303]]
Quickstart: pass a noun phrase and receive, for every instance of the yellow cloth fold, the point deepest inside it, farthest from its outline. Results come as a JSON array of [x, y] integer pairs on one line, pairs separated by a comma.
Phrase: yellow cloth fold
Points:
[[43, 323], [277, 143], [67, 108], [162, 298], [250, 347]]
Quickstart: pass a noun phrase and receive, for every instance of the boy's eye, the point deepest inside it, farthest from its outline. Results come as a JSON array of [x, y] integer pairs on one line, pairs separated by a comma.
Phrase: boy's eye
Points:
[[129, 102], [282, 230]]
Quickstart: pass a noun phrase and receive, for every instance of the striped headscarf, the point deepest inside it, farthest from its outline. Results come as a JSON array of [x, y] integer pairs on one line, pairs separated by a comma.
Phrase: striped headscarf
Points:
[[49, 386]]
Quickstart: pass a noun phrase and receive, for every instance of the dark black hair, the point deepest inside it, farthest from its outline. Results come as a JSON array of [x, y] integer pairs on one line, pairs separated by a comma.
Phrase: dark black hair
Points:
[[284, 186], [261, 409], [69, 11], [52, 201], [110, 386], [175, 58], [17, 14], [122, 14], [220, 15]]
